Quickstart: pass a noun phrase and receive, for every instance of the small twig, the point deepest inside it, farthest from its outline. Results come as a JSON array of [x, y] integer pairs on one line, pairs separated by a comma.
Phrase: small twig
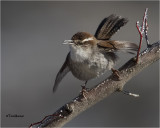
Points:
[[142, 29], [145, 32], [130, 94], [44, 119], [141, 37]]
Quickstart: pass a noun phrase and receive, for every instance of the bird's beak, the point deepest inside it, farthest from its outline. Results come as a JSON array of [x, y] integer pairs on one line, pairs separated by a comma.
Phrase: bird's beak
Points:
[[68, 42]]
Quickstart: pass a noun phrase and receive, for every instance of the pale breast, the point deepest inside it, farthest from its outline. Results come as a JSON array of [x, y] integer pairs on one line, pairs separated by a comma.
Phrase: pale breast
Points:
[[90, 68], [88, 64], [82, 71]]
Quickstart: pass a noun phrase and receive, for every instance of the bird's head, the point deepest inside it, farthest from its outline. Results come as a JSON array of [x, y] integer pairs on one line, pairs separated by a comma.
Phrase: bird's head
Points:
[[81, 39]]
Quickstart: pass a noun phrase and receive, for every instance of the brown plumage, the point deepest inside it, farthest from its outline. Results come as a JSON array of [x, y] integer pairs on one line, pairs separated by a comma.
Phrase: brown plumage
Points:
[[113, 46], [91, 56], [81, 36]]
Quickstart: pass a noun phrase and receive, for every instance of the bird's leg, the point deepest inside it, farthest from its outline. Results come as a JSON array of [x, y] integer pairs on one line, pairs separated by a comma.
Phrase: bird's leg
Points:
[[116, 73], [128, 93], [84, 85]]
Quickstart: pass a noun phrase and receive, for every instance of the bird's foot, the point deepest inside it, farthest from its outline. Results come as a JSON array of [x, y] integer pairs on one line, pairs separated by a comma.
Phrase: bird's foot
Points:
[[84, 91]]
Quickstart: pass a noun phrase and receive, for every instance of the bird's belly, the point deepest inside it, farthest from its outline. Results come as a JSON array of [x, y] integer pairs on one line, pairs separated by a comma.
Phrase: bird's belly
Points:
[[87, 70]]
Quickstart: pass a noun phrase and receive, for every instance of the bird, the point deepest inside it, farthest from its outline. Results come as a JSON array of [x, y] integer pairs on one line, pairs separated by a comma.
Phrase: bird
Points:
[[90, 56]]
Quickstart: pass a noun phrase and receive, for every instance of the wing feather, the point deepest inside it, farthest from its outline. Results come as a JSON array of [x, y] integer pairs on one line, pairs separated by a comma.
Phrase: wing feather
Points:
[[112, 46], [109, 26], [62, 72]]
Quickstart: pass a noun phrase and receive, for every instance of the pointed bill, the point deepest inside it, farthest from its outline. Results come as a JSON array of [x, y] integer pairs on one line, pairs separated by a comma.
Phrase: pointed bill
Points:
[[68, 42]]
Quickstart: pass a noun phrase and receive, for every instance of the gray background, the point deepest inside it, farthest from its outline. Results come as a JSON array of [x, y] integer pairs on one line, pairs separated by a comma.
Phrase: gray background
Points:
[[32, 54]]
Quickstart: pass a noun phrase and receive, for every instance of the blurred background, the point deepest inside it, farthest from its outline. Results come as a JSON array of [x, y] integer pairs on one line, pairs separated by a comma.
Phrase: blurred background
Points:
[[32, 54]]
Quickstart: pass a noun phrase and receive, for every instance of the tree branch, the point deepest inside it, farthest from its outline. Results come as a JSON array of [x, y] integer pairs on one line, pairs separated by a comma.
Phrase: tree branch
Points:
[[102, 90]]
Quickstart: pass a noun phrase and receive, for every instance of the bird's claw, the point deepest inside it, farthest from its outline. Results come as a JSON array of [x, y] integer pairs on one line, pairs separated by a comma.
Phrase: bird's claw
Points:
[[116, 73], [84, 91]]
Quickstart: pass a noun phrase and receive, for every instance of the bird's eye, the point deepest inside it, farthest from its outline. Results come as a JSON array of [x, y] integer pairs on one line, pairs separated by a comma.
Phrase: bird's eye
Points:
[[78, 42], [81, 43]]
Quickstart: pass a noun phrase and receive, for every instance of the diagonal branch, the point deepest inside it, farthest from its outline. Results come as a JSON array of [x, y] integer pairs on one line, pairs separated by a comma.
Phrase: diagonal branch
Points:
[[102, 90]]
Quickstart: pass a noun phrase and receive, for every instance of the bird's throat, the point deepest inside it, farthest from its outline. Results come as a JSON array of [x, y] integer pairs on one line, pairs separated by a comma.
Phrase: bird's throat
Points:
[[80, 54]]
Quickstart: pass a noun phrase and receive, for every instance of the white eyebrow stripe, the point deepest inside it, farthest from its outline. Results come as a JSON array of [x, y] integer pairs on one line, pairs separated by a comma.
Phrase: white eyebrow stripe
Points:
[[88, 39]]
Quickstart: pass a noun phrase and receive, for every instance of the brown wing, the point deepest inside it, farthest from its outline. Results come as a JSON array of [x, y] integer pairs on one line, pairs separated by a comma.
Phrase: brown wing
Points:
[[62, 72], [108, 45], [109, 26], [111, 46]]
